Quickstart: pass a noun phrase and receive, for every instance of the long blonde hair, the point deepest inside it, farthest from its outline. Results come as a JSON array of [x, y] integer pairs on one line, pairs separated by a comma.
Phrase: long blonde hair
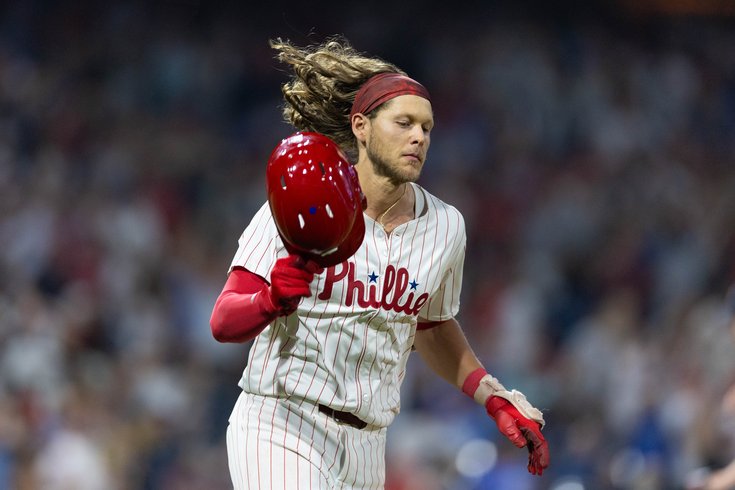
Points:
[[319, 95]]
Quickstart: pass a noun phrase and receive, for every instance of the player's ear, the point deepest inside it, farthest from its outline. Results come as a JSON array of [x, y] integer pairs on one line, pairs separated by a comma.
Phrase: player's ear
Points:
[[360, 125]]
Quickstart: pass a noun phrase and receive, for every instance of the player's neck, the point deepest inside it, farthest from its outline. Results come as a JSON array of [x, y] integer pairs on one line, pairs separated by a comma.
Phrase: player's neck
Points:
[[380, 191], [389, 205]]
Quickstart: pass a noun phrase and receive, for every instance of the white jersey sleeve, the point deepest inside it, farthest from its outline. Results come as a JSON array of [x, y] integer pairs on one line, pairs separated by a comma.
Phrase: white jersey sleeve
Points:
[[444, 302], [259, 245]]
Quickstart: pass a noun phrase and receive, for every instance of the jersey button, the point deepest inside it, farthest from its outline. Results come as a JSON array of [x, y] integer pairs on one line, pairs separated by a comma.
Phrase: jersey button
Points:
[[365, 397]]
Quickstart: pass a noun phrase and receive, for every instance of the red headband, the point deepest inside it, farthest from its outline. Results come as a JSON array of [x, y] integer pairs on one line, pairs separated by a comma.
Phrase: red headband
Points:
[[383, 87]]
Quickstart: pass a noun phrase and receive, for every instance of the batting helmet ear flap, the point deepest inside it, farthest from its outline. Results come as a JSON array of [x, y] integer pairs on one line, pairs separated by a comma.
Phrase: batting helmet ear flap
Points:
[[315, 198]]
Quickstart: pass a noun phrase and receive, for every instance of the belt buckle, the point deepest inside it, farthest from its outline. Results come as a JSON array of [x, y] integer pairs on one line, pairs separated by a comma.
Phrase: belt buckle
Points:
[[344, 417]]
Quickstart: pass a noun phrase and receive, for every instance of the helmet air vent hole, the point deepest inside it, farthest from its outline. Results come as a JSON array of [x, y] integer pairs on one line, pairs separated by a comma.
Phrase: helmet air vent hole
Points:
[[321, 166], [283, 182]]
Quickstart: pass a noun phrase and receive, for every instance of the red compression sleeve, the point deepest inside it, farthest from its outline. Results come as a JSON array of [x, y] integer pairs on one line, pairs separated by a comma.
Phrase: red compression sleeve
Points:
[[243, 308]]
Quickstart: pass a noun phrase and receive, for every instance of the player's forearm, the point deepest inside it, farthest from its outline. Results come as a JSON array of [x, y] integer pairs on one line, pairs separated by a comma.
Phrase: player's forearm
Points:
[[239, 317], [445, 350], [242, 310]]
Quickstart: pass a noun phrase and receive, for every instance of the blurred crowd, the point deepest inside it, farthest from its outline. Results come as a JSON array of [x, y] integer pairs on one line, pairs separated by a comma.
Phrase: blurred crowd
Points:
[[593, 160]]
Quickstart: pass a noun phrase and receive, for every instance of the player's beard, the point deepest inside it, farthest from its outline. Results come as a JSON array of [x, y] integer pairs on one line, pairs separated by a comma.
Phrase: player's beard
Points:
[[383, 168]]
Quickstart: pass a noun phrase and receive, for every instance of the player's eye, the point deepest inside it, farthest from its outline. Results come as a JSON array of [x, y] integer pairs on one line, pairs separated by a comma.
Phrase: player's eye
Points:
[[403, 124]]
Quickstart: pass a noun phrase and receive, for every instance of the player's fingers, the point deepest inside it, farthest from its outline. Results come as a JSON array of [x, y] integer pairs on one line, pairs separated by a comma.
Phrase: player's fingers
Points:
[[299, 273], [313, 267], [297, 291], [542, 453], [535, 451], [299, 279], [530, 437], [534, 466], [293, 260], [289, 307], [292, 275], [508, 427], [285, 287], [298, 262], [538, 450], [285, 300]]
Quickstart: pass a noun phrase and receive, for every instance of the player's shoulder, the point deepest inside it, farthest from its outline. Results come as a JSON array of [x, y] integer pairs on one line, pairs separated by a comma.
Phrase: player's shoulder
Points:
[[264, 210], [261, 223], [438, 207], [264, 216]]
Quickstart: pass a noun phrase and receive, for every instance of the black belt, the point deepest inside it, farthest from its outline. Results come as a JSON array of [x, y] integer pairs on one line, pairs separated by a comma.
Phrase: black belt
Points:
[[345, 417]]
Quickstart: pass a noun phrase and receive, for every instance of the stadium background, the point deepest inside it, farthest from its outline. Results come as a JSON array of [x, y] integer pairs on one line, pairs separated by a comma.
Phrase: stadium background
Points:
[[590, 146]]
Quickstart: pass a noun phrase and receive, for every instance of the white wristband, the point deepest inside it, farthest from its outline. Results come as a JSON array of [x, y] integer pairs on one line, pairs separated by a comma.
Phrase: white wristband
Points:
[[490, 386]]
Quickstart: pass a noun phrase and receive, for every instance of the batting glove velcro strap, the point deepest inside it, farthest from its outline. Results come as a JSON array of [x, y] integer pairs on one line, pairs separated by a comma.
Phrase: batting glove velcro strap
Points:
[[518, 400], [480, 386]]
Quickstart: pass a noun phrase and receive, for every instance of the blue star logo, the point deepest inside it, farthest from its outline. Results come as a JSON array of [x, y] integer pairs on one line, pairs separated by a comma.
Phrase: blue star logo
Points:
[[413, 284], [373, 277]]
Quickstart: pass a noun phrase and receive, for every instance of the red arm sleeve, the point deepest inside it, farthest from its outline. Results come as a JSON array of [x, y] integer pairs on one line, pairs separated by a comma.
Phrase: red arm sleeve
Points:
[[243, 308]]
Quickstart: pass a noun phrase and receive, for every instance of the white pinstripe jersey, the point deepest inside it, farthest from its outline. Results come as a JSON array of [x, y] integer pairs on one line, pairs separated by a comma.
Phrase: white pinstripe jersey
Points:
[[347, 345]]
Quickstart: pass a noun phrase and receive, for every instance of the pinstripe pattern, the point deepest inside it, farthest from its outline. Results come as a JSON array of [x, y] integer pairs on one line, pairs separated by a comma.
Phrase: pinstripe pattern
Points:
[[278, 444], [346, 346]]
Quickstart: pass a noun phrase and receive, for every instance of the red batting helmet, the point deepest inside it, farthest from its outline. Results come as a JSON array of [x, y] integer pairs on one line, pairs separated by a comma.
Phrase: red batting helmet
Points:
[[315, 198]]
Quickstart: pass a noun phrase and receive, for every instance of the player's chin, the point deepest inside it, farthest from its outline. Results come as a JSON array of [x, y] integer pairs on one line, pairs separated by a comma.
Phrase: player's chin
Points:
[[411, 176], [412, 170]]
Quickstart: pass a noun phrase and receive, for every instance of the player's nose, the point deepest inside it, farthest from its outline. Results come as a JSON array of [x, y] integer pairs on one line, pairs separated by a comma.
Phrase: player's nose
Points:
[[418, 135]]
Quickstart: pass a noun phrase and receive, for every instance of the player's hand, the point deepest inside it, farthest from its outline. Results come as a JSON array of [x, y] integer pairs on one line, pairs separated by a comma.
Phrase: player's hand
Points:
[[290, 280], [521, 431]]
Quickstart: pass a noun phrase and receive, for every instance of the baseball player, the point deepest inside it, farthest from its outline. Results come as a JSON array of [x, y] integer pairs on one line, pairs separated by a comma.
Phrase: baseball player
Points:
[[331, 344]]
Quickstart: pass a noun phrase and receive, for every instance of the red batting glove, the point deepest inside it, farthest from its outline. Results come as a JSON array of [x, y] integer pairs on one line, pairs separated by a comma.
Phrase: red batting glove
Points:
[[521, 432], [290, 280]]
